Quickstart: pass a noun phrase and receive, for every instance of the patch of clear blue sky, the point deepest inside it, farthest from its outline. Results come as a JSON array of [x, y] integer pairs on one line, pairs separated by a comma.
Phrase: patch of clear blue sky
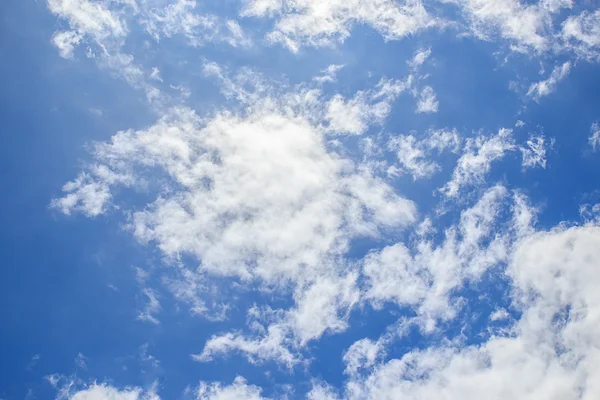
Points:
[[56, 270]]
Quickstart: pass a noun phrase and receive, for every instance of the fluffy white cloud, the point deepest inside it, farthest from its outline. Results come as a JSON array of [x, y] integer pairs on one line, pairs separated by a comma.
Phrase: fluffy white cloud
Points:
[[90, 191], [427, 101], [479, 154], [354, 115], [104, 392], [329, 74], [180, 17], [534, 152], [256, 196], [324, 23], [424, 277], [523, 24], [273, 345], [322, 307], [582, 34], [65, 42], [238, 390], [95, 19], [416, 156], [556, 5], [551, 352], [544, 88], [321, 391], [362, 354], [260, 194], [419, 58]]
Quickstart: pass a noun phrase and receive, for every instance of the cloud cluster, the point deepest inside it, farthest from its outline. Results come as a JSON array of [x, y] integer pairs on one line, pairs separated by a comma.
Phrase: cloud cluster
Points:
[[415, 156], [258, 196], [180, 17], [550, 352], [267, 193], [75, 390], [302, 23]]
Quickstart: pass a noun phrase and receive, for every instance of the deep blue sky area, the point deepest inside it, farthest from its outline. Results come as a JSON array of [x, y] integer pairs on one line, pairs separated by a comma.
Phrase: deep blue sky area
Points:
[[102, 300]]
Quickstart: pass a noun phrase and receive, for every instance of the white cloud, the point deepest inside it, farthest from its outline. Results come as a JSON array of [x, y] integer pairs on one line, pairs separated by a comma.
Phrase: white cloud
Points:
[[479, 154], [594, 138], [499, 315], [224, 163], [413, 157], [255, 196], [90, 192], [152, 304], [322, 307], [590, 212], [102, 25], [90, 18], [581, 33], [551, 352], [238, 390], [322, 391], [362, 354], [319, 307], [179, 18], [419, 58], [524, 25], [72, 391], [534, 153], [427, 102], [544, 88], [556, 5], [96, 112], [424, 276], [65, 42], [151, 308], [316, 23], [155, 74], [273, 346], [329, 74], [364, 108]]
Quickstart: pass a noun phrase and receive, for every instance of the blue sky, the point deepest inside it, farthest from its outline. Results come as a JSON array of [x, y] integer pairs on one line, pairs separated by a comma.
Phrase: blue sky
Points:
[[268, 199]]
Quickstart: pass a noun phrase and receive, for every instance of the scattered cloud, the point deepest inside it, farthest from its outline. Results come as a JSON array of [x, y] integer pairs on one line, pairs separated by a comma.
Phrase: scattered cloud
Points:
[[81, 361], [476, 161], [550, 352], [534, 152], [355, 115], [75, 389], [425, 276], [179, 17], [414, 156], [524, 25], [419, 58], [66, 42], [226, 174], [545, 87], [427, 102], [329, 74], [301, 23], [594, 138], [266, 193], [582, 35], [238, 390]]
